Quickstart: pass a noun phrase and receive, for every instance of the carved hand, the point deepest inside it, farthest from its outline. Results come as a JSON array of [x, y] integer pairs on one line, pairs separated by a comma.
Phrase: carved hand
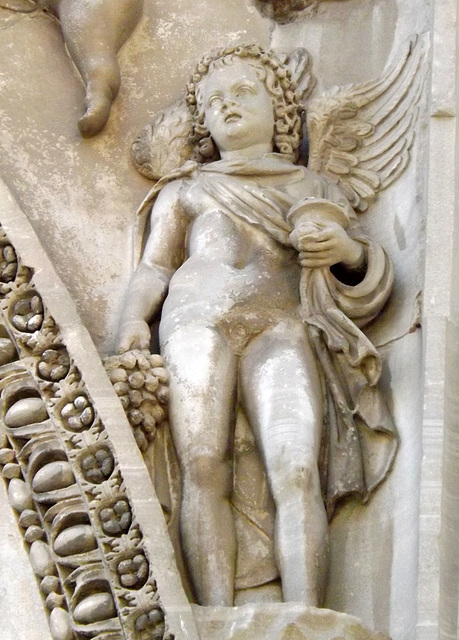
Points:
[[326, 246], [134, 334]]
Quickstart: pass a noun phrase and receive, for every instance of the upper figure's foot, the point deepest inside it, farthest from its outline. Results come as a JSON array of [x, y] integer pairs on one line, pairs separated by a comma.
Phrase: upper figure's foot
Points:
[[102, 85], [96, 115], [94, 31]]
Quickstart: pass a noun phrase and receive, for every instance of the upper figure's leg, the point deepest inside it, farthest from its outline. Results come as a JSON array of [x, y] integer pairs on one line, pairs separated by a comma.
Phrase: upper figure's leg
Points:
[[202, 379], [94, 31], [283, 400]]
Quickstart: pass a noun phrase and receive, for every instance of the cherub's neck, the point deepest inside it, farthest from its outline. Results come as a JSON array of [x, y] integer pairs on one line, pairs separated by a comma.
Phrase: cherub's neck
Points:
[[254, 151]]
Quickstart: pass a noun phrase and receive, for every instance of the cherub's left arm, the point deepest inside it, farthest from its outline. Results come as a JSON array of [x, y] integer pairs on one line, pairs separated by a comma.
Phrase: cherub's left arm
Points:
[[360, 292], [359, 272]]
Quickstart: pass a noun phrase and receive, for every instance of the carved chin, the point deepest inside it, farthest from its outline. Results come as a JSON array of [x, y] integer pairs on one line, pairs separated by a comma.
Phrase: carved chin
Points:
[[285, 11]]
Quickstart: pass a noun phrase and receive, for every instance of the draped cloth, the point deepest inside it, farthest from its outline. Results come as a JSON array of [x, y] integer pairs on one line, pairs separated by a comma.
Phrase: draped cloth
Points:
[[359, 437]]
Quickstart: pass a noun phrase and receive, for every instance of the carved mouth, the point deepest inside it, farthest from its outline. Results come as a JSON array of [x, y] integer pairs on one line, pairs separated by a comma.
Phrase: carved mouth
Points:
[[232, 117]]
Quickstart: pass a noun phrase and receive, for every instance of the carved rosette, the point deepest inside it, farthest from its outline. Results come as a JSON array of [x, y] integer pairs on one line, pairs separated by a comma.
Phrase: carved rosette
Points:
[[63, 480]]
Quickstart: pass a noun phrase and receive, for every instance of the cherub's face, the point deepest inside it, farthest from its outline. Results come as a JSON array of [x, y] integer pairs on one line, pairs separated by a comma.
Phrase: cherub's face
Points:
[[238, 108]]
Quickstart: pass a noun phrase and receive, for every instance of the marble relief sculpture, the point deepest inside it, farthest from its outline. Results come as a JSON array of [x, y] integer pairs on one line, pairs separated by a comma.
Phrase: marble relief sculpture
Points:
[[64, 483], [265, 281], [255, 350]]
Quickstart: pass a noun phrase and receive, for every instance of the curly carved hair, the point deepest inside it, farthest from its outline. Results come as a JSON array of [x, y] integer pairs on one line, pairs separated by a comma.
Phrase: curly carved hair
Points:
[[277, 80]]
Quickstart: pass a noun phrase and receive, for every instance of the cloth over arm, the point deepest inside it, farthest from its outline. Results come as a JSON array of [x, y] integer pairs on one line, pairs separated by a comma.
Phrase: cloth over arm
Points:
[[360, 439]]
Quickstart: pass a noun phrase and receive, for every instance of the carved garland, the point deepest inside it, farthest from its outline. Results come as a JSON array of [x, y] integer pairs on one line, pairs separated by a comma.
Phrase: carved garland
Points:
[[63, 480]]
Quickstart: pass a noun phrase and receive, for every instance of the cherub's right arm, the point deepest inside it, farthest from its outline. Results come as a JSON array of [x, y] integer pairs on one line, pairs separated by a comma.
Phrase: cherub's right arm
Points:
[[163, 254]]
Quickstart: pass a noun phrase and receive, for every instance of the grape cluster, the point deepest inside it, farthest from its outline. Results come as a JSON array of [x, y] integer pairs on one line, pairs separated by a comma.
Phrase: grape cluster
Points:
[[140, 382], [116, 519], [150, 626], [8, 263], [133, 572], [54, 364], [78, 414], [27, 314], [97, 466]]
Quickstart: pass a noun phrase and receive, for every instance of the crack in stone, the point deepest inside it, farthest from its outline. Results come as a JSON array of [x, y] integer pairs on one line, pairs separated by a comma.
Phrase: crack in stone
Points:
[[16, 17], [413, 328], [21, 16], [416, 322]]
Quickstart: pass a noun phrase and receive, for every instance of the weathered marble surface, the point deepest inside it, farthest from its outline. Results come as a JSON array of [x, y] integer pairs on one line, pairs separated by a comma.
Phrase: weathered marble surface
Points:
[[438, 552], [87, 192], [30, 620], [279, 622]]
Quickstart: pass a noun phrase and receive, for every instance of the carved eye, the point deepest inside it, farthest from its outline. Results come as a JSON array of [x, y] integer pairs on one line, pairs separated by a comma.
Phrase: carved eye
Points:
[[244, 91], [215, 101]]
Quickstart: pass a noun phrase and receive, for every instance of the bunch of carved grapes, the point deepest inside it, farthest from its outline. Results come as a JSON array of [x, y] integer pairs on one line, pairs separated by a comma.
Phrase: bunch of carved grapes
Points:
[[140, 381]]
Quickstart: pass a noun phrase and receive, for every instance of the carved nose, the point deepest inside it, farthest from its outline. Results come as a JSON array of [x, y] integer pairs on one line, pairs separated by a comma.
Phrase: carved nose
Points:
[[227, 103]]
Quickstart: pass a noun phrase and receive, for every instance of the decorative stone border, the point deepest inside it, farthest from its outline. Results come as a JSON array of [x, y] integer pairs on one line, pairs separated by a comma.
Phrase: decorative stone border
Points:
[[100, 570], [84, 543]]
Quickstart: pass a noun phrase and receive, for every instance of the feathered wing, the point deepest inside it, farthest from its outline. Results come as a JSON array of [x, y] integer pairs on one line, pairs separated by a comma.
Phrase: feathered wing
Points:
[[360, 136], [164, 144]]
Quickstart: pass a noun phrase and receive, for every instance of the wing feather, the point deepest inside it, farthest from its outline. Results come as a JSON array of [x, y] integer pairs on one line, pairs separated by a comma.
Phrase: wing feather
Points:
[[384, 157], [300, 64], [360, 137], [164, 144]]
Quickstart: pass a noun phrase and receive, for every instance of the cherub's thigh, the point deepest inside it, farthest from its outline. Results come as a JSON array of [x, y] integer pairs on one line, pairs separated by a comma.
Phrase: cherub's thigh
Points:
[[282, 394], [202, 377]]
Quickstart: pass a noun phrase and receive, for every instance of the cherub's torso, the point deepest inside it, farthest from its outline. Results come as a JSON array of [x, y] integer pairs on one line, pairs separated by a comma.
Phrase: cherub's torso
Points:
[[235, 273]]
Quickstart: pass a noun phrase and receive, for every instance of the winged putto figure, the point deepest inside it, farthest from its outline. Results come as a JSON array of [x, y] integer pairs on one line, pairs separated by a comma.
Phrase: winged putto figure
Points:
[[265, 281]]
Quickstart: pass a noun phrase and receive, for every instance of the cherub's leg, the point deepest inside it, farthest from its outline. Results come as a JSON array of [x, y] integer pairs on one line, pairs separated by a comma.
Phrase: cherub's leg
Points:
[[202, 378], [283, 400], [94, 31]]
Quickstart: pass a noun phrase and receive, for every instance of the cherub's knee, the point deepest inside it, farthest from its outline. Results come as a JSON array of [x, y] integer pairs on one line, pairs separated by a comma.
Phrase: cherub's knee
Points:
[[292, 480], [207, 472]]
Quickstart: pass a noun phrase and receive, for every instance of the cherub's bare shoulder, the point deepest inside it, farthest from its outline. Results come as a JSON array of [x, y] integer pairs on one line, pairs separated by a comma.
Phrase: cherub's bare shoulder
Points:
[[171, 189], [172, 193]]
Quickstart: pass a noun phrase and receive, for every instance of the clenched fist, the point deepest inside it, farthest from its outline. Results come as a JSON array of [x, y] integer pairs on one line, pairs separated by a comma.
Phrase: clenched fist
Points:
[[324, 246]]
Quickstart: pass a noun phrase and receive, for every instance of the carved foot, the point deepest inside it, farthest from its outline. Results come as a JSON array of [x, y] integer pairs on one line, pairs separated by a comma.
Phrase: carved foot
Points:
[[102, 87], [96, 115], [94, 31]]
